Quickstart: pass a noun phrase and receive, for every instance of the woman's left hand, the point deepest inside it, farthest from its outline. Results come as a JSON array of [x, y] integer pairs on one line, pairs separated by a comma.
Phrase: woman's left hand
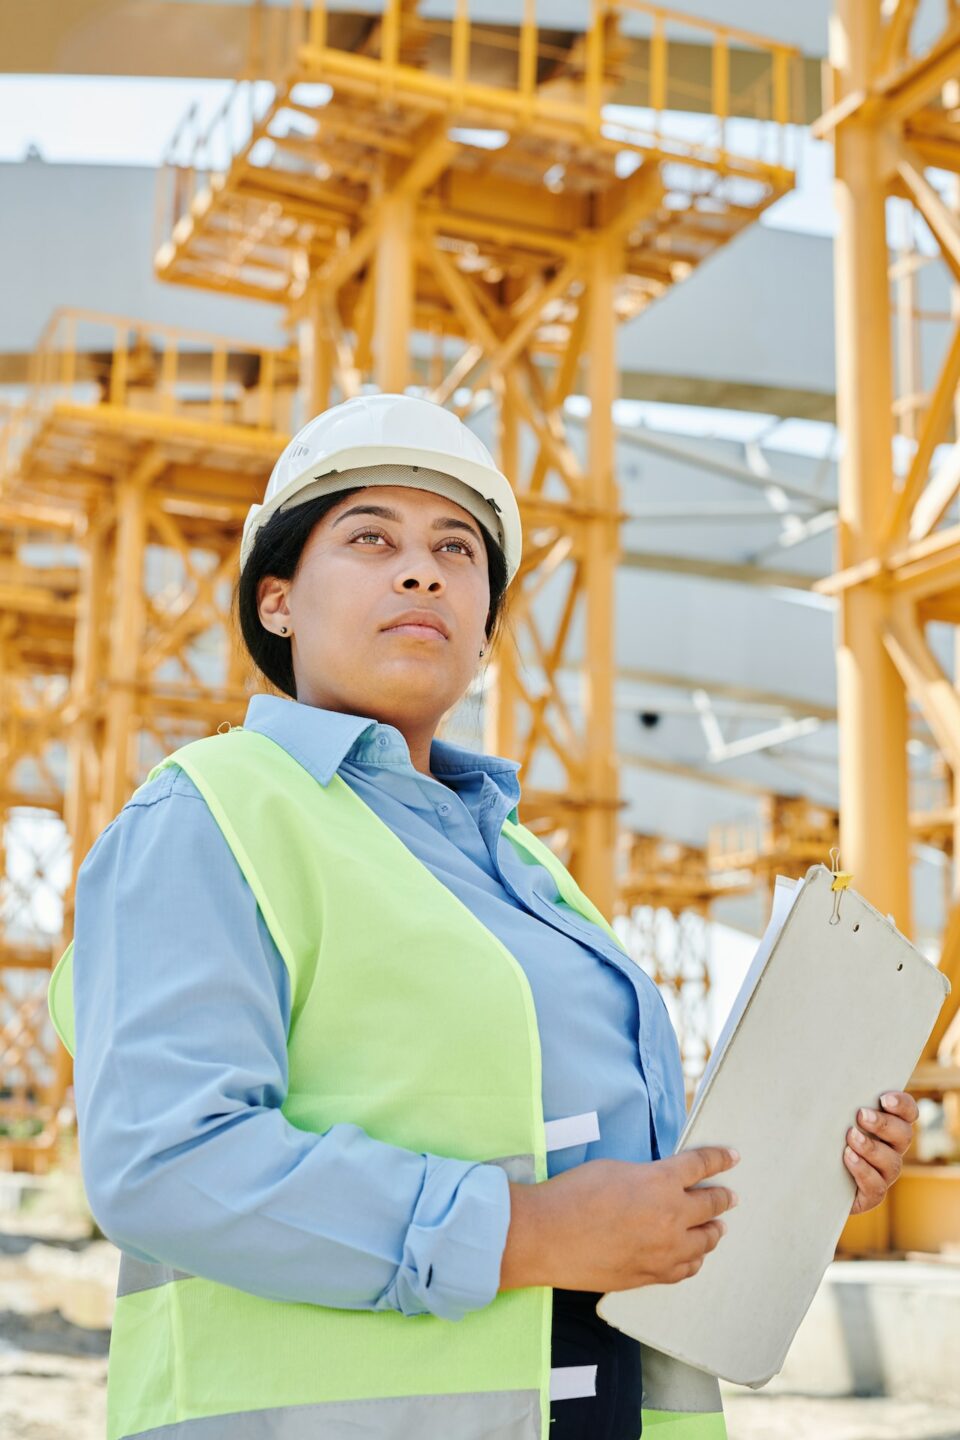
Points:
[[875, 1146]]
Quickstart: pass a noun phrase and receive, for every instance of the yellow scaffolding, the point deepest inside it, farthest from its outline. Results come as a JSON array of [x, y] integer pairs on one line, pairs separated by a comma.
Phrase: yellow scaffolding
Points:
[[395, 175], [470, 184], [893, 118]]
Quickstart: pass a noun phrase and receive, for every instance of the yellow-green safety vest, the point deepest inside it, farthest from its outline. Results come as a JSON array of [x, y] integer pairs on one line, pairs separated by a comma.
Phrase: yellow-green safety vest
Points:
[[410, 1019]]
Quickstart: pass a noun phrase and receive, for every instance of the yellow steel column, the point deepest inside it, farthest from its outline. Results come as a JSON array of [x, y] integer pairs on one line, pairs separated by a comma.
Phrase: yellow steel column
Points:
[[85, 732], [126, 640], [502, 698], [874, 834], [871, 701], [393, 325], [314, 348], [598, 831]]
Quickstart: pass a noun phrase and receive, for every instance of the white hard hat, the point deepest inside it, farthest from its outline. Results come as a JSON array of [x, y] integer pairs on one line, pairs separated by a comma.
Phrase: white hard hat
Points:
[[387, 439]]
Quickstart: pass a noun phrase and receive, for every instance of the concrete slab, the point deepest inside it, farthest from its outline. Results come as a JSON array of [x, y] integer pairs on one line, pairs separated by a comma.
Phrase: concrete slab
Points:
[[879, 1328]]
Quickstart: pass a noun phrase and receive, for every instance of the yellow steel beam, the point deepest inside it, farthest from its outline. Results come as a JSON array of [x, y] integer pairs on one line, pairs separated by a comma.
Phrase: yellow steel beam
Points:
[[938, 215], [602, 268], [871, 701], [719, 570], [925, 1208], [895, 35], [922, 673], [934, 423], [912, 86], [394, 294]]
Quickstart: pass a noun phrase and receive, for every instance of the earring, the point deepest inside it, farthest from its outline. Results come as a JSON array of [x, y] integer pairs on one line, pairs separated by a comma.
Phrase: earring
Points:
[[283, 629], [481, 652]]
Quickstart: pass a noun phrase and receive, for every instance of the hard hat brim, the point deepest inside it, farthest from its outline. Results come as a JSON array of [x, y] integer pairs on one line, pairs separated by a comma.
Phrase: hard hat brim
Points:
[[492, 487]]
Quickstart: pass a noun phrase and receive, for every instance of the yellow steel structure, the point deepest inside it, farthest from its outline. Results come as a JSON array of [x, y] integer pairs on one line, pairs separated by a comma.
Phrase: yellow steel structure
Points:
[[140, 449], [408, 175], [666, 896], [399, 176], [38, 610], [790, 835], [159, 440], [894, 121], [447, 179]]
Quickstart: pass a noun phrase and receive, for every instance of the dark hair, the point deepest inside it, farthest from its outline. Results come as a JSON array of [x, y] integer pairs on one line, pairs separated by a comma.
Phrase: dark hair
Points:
[[277, 550]]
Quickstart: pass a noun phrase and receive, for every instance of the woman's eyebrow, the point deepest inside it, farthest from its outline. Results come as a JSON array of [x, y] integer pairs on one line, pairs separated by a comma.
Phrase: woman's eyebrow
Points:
[[381, 510], [385, 513]]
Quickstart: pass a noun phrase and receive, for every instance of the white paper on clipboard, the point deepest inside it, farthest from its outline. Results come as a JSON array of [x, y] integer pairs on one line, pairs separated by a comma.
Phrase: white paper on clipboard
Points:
[[829, 1018], [785, 891]]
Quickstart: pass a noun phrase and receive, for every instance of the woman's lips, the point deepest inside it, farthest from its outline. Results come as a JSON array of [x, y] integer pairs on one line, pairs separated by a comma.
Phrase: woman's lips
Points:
[[425, 632]]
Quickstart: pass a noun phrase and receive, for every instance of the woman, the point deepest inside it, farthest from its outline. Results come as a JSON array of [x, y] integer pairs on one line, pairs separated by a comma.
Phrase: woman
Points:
[[328, 992]]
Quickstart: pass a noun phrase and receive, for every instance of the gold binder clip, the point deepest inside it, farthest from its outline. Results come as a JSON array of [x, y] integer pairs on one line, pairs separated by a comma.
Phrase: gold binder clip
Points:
[[841, 882]]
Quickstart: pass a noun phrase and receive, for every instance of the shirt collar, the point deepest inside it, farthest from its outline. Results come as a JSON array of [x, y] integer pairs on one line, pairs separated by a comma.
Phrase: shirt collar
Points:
[[321, 740]]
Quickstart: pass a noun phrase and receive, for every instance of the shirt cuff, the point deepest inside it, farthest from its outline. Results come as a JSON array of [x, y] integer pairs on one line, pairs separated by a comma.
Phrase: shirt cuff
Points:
[[454, 1243]]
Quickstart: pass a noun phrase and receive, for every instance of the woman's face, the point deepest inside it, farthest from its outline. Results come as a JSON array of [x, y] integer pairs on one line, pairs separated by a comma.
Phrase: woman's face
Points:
[[383, 552]]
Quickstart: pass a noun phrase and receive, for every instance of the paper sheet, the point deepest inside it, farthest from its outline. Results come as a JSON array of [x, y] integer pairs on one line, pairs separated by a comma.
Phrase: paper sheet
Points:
[[785, 891]]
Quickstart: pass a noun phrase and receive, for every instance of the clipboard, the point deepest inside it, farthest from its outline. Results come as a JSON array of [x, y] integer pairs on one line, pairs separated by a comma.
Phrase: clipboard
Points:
[[835, 1016]]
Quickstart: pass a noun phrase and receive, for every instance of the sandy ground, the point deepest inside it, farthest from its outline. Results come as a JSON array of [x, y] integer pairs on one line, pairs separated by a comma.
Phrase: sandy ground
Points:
[[56, 1304]]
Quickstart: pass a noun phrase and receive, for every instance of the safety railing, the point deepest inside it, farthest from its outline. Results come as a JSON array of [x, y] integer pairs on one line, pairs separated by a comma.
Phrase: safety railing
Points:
[[13, 424], [749, 74], [713, 95], [761, 843], [201, 150], [709, 93], [85, 358]]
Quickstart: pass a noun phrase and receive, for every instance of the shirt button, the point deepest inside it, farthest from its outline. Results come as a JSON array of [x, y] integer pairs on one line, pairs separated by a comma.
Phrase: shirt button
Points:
[[443, 809], [383, 740]]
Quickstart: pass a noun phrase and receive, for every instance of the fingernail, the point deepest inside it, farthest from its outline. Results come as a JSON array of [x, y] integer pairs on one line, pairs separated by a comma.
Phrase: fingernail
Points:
[[869, 1116], [734, 1199], [857, 1135], [723, 1228], [889, 1100], [735, 1155], [852, 1156]]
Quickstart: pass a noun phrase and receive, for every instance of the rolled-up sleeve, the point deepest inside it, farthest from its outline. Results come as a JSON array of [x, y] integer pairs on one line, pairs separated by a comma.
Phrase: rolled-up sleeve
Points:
[[182, 1009]]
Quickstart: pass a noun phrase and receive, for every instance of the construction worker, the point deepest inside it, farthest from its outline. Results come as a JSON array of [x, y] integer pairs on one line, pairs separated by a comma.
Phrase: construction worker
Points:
[[336, 1010]]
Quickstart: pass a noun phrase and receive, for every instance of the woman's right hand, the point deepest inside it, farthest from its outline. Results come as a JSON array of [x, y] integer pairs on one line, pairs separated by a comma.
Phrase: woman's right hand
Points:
[[615, 1224]]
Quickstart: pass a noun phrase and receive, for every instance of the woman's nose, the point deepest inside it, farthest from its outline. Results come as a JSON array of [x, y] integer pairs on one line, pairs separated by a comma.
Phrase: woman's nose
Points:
[[414, 582], [421, 573]]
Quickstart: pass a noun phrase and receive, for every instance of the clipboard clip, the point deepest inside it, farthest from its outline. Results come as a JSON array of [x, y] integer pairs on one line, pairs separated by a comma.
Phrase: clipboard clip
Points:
[[841, 881]]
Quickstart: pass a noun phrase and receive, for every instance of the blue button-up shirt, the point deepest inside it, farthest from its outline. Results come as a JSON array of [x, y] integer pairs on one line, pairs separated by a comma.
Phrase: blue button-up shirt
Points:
[[182, 1006]]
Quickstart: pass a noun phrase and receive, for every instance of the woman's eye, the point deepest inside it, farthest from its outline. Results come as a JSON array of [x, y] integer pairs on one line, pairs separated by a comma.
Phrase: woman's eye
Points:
[[366, 536]]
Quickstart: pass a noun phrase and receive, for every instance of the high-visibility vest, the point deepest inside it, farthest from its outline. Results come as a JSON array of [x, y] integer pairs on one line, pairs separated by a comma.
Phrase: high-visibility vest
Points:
[[408, 1018]]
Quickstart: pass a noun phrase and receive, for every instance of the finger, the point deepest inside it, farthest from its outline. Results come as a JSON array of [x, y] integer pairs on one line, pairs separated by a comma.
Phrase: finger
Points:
[[706, 1201], [700, 1243], [898, 1102], [881, 1156], [696, 1165], [709, 1236], [871, 1186], [889, 1128], [701, 1240]]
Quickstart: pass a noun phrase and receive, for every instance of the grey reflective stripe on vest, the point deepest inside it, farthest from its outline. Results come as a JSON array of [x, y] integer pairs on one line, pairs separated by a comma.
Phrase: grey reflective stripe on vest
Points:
[[507, 1414], [670, 1385], [136, 1275], [521, 1169]]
